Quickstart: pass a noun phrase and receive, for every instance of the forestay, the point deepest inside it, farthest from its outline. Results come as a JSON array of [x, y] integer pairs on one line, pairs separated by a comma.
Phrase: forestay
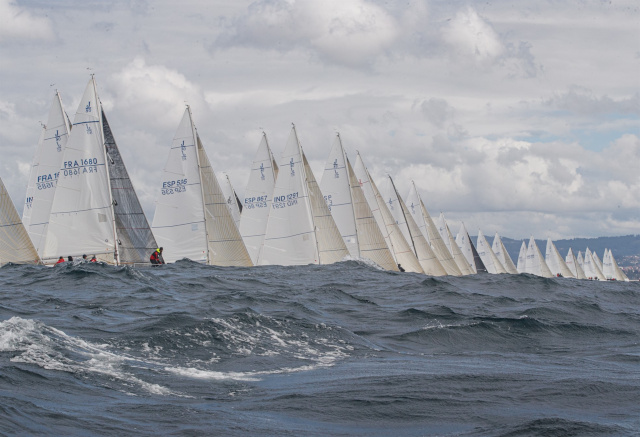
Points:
[[258, 199], [44, 174], [15, 245]]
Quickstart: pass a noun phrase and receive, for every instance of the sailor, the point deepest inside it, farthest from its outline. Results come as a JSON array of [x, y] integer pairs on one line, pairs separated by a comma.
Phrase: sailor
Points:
[[70, 258], [93, 259], [156, 257], [400, 268], [84, 259], [60, 260]]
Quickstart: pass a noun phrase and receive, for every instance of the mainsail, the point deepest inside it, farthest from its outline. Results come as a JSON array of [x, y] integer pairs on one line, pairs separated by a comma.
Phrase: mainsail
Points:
[[192, 219], [430, 231], [402, 253], [535, 262], [427, 258], [502, 254], [522, 258], [591, 269], [574, 266], [15, 245], [300, 229], [611, 270], [450, 242], [346, 201], [258, 197], [233, 202], [44, 174], [83, 211], [469, 251], [555, 262], [490, 260]]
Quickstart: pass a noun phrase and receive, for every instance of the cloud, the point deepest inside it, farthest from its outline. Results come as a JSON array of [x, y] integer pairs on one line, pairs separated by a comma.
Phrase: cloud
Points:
[[582, 101], [17, 24], [348, 32], [472, 37]]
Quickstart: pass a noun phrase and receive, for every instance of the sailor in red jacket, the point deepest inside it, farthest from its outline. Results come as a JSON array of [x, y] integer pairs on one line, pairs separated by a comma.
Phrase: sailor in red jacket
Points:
[[156, 257]]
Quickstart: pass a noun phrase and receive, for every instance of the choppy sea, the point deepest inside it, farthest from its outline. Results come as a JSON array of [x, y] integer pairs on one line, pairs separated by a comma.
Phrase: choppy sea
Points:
[[336, 350]]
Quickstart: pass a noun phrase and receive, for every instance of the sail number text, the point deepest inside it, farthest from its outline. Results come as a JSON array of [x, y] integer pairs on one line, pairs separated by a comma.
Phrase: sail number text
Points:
[[80, 166], [255, 202], [284, 201], [172, 187]]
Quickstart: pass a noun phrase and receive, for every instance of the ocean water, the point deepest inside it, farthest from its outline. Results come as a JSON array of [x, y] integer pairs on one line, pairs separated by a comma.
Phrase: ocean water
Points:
[[336, 350]]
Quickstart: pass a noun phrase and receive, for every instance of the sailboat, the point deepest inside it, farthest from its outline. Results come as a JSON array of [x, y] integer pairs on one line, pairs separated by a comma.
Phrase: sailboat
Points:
[[597, 259], [350, 210], [95, 209], [15, 245], [580, 259], [574, 266], [427, 258], [591, 269], [258, 197], [428, 228], [233, 202], [450, 242], [611, 270], [522, 258], [502, 254], [469, 251], [402, 253], [536, 264], [44, 174], [490, 260], [300, 229], [555, 262], [192, 219]]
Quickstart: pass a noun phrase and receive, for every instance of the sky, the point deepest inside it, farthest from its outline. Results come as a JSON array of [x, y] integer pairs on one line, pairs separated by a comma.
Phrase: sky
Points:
[[521, 118]]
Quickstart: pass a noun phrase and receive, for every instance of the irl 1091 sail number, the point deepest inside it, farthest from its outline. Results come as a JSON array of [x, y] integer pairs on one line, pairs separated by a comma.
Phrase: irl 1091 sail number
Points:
[[173, 187]]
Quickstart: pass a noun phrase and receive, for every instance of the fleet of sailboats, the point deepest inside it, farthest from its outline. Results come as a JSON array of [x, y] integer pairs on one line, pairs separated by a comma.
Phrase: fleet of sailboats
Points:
[[80, 200]]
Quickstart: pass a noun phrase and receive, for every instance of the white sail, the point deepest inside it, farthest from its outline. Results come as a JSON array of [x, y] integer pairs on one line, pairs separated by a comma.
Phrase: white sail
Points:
[[400, 249], [225, 246], [82, 217], [574, 266], [354, 219], [501, 252], [258, 199], [580, 259], [44, 174], [15, 245], [233, 203], [535, 262], [490, 260], [522, 258], [428, 228], [597, 259], [179, 220], [555, 262], [300, 229], [469, 251], [611, 270], [591, 269], [450, 242]]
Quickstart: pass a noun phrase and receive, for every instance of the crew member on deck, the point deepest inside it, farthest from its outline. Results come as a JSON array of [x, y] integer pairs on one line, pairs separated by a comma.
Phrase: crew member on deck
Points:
[[156, 257], [400, 268], [60, 260]]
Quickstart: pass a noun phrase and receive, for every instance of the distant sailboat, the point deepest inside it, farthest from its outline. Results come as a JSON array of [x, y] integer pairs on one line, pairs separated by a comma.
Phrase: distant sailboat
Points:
[[427, 258], [44, 174], [95, 210], [346, 201], [574, 266], [536, 264], [402, 253], [555, 262], [15, 245], [469, 251], [502, 254], [611, 270], [454, 249], [591, 269], [300, 229], [597, 260], [233, 202], [192, 218], [490, 260], [258, 197], [430, 231], [522, 258]]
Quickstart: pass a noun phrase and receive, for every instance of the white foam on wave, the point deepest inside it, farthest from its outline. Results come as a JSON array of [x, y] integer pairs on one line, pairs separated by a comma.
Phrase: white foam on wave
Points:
[[365, 261]]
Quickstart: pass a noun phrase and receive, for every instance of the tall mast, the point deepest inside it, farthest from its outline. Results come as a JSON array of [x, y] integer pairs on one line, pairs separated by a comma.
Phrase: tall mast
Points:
[[305, 187], [204, 205], [107, 160]]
